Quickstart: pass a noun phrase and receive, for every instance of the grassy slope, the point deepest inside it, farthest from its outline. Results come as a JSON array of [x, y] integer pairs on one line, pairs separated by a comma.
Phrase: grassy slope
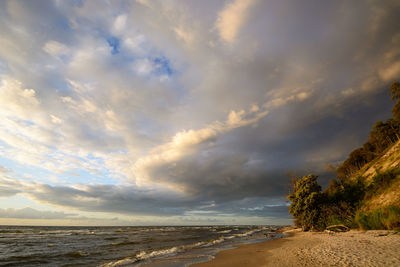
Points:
[[391, 195], [380, 208]]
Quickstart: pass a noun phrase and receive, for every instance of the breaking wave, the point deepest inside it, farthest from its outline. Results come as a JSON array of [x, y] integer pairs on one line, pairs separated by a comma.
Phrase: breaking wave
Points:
[[143, 255]]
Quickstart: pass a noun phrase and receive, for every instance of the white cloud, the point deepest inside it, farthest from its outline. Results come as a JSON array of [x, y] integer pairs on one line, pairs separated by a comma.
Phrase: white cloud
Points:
[[134, 44], [279, 101], [16, 100], [232, 18], [391, 72], [184, 35], [36, 137], [143, 66], [120, 22], [55, 119], [55, 48], [146, 3]]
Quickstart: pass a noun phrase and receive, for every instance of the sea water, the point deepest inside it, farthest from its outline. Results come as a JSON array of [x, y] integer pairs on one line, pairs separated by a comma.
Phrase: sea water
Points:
[[122, 246]]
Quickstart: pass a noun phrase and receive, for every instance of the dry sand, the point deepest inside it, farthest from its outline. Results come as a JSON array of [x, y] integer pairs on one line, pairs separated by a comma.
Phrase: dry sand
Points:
[[353, 248]]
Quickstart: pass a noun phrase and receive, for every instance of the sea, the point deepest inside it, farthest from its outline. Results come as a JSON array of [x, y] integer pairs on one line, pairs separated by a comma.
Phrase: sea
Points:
[[167, 246]]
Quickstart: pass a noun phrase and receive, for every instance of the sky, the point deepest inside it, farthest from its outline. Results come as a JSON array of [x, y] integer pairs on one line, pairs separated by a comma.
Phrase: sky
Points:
[[183, 112]]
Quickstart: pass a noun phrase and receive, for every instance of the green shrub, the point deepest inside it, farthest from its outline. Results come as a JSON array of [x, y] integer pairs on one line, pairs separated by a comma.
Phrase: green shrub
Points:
[[383, 218], [348, 191], [306, 198], [338, 213]]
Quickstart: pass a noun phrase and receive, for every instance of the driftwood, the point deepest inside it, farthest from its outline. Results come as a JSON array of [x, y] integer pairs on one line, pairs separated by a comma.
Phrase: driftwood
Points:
[[338, 228]]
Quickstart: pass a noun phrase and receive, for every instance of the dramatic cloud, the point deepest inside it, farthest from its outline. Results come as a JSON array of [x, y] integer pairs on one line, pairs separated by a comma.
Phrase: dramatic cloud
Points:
[[190, 110], [185, 143]]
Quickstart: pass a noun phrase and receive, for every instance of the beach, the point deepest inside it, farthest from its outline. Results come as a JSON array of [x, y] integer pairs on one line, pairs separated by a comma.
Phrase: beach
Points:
[[353, 248]]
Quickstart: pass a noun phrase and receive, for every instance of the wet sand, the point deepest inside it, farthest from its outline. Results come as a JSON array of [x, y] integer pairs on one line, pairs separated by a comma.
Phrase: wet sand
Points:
[[353, 248]]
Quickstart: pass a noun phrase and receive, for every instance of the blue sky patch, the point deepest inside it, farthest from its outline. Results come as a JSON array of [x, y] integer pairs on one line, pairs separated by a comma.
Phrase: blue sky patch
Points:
[[113, 42], [162, 66]]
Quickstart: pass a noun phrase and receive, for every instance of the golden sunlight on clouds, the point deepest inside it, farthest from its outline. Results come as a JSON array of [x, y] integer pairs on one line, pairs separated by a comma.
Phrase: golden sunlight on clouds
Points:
[[184, 143], [183, 35], [232, 18]]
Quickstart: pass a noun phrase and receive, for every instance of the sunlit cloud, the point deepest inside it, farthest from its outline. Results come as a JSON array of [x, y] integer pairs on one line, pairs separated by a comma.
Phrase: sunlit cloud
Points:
[[185, 143], [232, 18]]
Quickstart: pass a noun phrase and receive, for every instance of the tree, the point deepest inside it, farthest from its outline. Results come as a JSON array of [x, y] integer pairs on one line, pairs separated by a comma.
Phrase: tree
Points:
[[396, 111], [306, 198], [384, 134], [355, 161], [395, 92]]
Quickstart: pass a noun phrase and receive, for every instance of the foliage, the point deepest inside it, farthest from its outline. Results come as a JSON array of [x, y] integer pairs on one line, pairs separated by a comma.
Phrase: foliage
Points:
[[345, 197], [338, 213], [383, 218], [357, 159], [382, 136], [396, 111], [349, 191], [395, 92], [342, 200], [306, 198]]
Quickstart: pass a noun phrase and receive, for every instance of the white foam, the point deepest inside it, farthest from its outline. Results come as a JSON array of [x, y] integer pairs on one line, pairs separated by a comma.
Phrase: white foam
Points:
[[157, 253], [174, 250], [120, 262], [144, 256]]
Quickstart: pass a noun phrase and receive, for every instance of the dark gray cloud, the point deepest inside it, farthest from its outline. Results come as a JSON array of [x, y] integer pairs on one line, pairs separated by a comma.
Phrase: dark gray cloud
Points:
[[7, 191], [30, 213]]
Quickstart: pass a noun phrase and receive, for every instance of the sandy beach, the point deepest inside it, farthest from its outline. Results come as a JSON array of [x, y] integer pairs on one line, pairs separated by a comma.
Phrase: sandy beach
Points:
[[353, 248]]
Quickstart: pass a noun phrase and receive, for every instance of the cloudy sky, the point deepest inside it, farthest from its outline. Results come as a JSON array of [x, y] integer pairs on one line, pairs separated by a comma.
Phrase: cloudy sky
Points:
[[183, 112]]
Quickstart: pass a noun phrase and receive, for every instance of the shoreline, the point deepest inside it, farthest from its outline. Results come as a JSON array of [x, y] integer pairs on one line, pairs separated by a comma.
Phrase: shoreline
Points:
[[248, 254], [353, 248]]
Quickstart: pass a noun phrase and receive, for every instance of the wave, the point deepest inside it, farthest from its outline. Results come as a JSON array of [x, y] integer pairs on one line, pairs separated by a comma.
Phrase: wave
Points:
[[125, 243], [157, 253], [120, 262], [77, 254], [143, 255]]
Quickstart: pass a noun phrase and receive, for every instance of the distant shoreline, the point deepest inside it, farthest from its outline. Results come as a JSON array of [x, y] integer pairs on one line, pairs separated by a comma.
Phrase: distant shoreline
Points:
[[353, 248]]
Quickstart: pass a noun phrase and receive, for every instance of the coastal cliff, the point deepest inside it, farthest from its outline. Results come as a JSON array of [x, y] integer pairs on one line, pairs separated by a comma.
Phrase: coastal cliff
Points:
[[365, 192]]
